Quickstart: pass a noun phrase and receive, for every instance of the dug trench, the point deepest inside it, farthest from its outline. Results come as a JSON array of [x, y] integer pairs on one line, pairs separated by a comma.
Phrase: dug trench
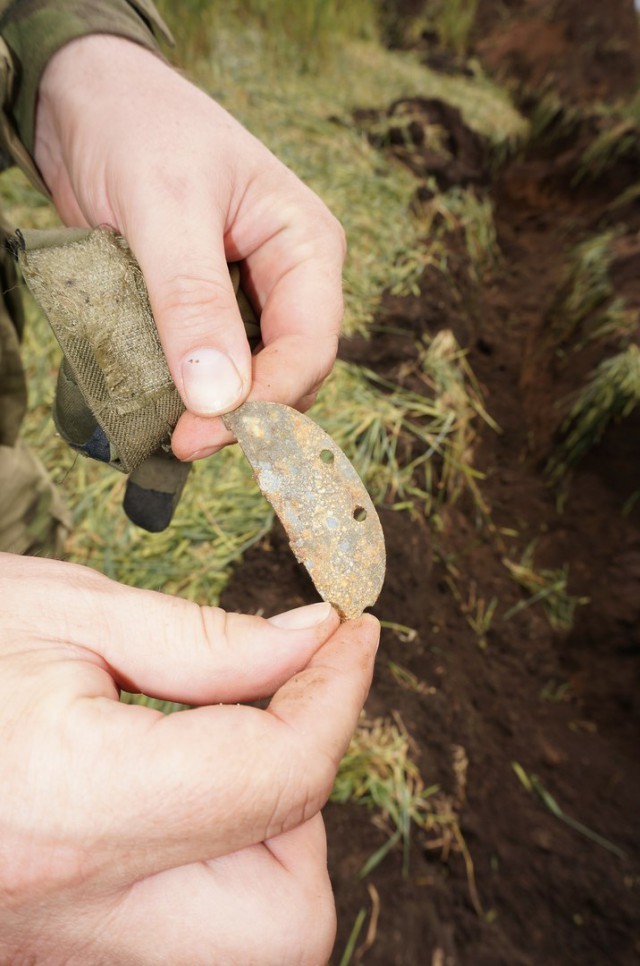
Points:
[[489, 707]]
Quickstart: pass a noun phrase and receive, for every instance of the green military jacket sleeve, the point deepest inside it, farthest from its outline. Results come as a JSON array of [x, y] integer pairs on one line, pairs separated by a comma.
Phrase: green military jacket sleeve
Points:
[[31, 31]]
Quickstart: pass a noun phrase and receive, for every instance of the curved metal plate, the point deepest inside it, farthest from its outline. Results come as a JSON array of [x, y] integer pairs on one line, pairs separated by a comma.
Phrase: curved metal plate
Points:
[[331, 522]]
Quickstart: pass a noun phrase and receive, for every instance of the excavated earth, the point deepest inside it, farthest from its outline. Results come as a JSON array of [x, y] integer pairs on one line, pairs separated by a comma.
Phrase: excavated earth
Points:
[[564, 705]]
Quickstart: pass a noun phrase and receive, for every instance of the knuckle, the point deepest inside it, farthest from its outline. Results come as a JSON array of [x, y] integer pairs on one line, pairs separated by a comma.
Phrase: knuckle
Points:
[[291, 802], [307, 781], [191, 296], [320, 772]]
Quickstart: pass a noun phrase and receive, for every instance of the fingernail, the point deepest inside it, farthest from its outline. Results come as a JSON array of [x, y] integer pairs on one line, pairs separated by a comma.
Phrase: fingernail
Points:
[[301, 617], [211, 382]]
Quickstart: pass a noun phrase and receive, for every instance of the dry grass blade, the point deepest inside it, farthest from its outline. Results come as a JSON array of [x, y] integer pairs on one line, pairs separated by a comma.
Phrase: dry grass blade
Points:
[[546, 586], [372, 929], [477, 612], [471, 876], [454, 21], [408, 680], [533, 784], [404, 634]]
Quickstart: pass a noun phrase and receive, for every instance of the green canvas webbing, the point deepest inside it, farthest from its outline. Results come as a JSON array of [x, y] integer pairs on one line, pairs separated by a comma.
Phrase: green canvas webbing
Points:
[[115, 398]]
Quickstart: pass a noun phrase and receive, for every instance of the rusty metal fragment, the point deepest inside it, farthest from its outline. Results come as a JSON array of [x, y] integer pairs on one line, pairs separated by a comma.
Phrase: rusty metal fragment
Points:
[[331, 522]]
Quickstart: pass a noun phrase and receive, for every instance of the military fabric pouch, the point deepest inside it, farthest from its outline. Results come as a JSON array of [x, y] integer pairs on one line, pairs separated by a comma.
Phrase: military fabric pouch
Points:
[[115, 399]]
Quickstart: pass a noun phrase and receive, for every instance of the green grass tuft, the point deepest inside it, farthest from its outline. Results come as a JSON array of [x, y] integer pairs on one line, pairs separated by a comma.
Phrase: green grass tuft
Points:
[[300, 37], [464, 208], [378, 772], [612, 145], [612, 392], [547, 587], [454, 21], [589, 282]]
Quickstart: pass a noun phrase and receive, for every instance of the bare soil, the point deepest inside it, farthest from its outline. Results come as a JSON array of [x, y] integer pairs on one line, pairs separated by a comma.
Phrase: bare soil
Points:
[[563, 705]]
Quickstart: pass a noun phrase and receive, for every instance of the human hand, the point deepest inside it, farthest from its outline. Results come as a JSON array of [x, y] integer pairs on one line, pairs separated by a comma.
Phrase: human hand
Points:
[[122, 139], [131, 837]]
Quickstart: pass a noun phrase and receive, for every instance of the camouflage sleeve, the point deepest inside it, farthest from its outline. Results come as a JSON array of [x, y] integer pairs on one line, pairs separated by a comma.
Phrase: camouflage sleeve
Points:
[[31, 31]]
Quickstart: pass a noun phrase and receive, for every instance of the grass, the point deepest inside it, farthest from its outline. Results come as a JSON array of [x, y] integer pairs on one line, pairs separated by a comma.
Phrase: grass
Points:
[[615, 143], [404, 634], [611, 393], [614, 321], [551, 119], [546, 586], [408, 680], [451, 20], [458, 396], [533, 785], [587, 287], [476, 610], [589, 312], [304, 36], [454, 21], [617, 140], [626, 197], [557, 691], [356, 953], [464, 208], [407, 445], [378, 772]]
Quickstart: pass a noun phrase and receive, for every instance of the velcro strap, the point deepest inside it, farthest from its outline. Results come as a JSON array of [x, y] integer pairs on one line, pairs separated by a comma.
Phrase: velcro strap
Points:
[[93, 294]]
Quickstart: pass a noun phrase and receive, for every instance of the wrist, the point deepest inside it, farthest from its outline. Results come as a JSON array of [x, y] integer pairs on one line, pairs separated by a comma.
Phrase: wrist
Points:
[[35, 32], [77, 81], [95, 65]]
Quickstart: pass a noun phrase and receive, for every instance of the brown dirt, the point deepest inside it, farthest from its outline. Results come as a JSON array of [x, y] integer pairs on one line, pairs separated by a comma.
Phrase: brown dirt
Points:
[[581, 50], [561, 704]]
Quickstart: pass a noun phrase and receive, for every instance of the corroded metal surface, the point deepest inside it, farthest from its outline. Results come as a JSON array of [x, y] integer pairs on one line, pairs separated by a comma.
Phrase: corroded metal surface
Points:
[[332, 525]]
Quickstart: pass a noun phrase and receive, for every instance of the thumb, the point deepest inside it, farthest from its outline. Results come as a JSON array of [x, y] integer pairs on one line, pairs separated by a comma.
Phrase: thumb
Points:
[[165, 646], [195, 308]]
